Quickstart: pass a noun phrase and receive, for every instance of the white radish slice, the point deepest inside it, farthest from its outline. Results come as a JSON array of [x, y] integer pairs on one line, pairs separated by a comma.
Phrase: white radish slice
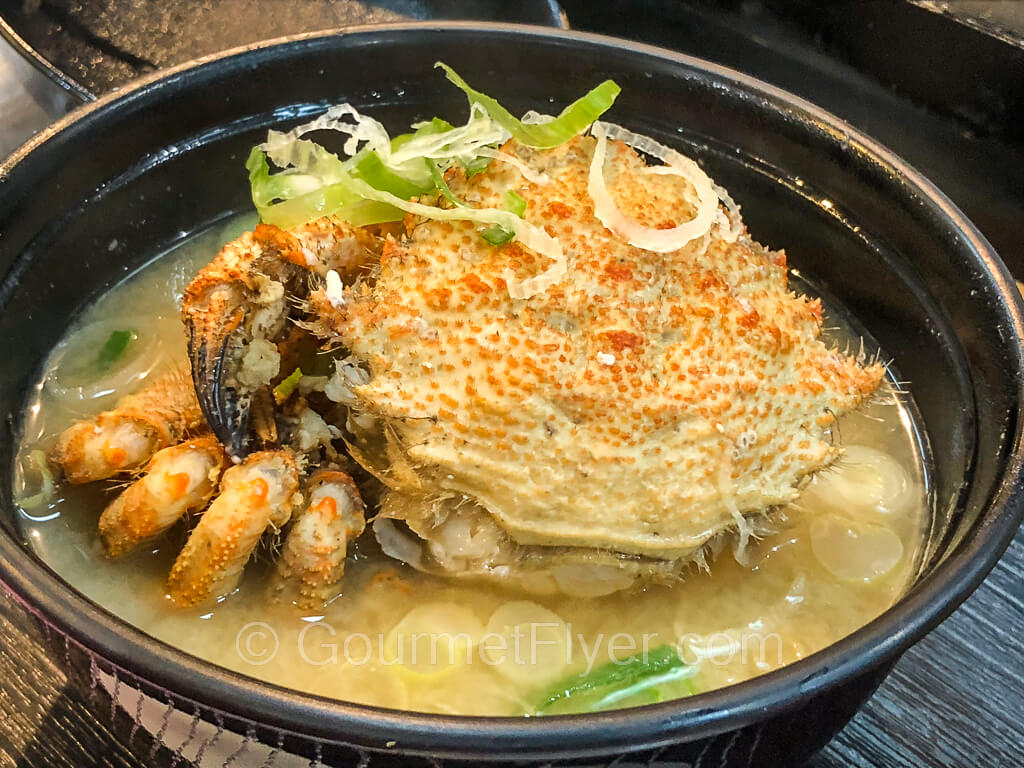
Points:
[[855, 552], [432, 640], [526, 640], [78, 379], [379, 687], [864, 480]]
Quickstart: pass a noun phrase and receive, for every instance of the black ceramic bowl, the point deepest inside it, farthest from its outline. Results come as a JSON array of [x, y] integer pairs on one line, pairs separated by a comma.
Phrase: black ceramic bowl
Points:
[[117, 181]]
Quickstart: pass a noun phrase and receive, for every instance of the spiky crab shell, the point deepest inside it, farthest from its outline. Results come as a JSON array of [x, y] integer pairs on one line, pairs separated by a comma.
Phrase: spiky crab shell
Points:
[[639, 405]]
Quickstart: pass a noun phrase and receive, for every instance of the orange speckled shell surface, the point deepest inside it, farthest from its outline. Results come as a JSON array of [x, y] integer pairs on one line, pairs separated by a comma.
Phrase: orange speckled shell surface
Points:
[[637, 405]]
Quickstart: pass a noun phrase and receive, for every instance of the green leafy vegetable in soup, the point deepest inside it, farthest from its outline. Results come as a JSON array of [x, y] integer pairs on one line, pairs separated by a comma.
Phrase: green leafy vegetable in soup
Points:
[[114, 349], [618, 682]]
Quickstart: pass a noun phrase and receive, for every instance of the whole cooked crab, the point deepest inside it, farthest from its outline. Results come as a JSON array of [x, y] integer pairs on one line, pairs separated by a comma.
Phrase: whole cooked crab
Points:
[[613, 428]]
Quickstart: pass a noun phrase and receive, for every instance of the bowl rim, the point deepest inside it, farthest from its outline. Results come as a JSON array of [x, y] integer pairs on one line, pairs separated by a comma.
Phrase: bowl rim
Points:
[[933, 598]]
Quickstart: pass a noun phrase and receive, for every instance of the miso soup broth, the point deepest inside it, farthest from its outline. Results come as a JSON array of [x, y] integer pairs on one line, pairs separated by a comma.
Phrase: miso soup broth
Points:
[[398, 638]]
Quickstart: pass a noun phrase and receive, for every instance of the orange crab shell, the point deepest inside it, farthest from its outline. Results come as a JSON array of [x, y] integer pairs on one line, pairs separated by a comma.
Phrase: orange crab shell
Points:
[[640, 404]]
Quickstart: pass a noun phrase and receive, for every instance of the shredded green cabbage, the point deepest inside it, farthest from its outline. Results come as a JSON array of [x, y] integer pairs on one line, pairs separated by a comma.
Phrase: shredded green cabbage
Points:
[[382, 178], [572, 120], [442, 185], [371, 169], [479, 165], [288, 200]]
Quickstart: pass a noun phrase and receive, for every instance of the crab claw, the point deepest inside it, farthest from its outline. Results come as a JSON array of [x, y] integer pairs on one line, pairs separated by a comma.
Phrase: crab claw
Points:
[[214, 341], [236, 312], [237, 303]]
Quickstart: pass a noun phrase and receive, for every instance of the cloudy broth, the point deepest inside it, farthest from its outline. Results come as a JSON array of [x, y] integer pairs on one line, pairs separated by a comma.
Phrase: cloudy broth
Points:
[[843, 553]]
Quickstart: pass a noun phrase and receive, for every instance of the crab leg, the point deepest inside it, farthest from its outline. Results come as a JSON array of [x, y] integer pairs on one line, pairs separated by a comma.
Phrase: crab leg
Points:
[[237, 309], [177, 480], [125, 437], [253, 495], [312, 562]]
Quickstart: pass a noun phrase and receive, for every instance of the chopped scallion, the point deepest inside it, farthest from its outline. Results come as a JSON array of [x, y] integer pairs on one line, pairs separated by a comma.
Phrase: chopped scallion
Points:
[[47, 484], [477, 165], [287, 385], [497, 234], [113, 349], [632, 678], [514, 203]]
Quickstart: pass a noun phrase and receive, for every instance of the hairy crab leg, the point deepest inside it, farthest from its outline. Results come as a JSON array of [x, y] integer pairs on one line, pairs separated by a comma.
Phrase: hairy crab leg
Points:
[[178, 479], [312, 561], [253, 495], [237, 308], [123, 438]]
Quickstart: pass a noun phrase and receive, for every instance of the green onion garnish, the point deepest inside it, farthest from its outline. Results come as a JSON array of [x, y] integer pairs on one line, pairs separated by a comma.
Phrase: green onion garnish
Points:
[[477, 165], [47, 484], [287, 385], [634, 678], [514, 203], [113, 349], [497, 234]]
